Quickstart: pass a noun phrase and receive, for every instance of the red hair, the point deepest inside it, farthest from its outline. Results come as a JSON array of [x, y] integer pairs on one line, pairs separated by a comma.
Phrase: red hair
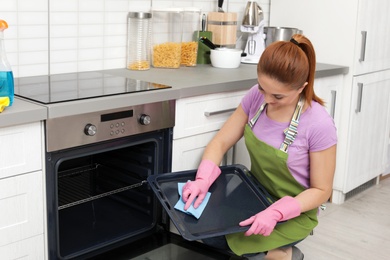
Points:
[[292, 63]]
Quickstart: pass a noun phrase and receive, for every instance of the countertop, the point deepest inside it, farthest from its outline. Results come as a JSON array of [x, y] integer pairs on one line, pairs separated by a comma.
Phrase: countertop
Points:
[[185, 82]]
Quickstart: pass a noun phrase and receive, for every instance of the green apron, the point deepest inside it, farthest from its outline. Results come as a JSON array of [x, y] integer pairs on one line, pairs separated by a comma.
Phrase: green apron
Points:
[[269, 167]]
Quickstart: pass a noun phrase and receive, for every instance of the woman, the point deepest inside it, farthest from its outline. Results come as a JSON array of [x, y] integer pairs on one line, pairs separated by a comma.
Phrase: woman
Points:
[[291, 140]]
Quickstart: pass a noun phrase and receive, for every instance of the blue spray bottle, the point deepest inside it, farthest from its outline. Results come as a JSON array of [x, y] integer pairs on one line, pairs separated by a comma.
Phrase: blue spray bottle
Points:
[[6, 75]]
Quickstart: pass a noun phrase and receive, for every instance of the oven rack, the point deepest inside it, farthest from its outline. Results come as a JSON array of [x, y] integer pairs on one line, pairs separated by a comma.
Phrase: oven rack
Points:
[[75, 189]]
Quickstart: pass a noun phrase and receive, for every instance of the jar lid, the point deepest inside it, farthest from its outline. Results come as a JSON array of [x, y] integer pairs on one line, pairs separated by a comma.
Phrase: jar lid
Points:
[[140, 15]]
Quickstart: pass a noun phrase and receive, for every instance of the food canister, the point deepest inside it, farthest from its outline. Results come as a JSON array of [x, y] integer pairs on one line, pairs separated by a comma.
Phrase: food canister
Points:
[[190, 37], [139, 25], [224, 28], [167, 37]]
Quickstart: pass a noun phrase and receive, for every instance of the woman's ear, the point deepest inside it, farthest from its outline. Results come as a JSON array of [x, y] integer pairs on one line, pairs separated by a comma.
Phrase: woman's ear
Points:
[[303, 87]]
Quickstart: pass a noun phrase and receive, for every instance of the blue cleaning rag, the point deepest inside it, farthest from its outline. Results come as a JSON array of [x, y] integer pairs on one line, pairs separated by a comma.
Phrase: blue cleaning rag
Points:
[[196, 212]]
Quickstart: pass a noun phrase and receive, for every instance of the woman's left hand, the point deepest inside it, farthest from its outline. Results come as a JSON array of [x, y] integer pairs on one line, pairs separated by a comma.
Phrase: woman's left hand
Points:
[[262, 223]]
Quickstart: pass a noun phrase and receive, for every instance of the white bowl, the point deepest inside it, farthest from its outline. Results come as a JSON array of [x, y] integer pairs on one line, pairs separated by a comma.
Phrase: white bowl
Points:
[[225, 58]]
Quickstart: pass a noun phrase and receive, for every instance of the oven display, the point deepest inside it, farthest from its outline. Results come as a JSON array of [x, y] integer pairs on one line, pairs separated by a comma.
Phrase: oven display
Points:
[[117, 115]]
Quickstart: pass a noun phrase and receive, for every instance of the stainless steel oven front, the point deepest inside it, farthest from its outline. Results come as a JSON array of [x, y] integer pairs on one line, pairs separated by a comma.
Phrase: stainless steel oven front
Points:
[[96, 170]]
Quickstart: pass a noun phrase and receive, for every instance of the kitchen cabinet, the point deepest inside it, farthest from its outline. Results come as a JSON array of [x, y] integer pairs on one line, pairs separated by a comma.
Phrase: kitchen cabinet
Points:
[[345, 33], [198, 119], [21, 192], [370, 116]]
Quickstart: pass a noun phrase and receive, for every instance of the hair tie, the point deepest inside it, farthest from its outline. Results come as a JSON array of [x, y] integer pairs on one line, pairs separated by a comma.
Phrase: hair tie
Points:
[[294, 41]]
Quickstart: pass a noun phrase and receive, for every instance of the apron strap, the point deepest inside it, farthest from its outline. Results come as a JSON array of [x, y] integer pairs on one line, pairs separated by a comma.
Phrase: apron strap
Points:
[[292, 131]]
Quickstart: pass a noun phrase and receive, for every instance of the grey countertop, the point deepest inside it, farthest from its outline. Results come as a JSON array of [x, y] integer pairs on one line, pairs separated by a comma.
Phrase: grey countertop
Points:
[[185, 82]]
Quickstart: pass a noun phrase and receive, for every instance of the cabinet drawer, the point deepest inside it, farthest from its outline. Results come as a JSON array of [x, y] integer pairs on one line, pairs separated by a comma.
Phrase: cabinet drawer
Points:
[[201, 114], [21, 149], [21, 204]]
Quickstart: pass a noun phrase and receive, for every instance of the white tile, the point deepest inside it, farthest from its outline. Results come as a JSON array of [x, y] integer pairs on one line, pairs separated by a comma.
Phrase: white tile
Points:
[[33, 70], [7, 6], [35, 5], [61, 5], [118, 5], [91, 42], [115, 29], [63, 67], [90, 30], [115, 41], [90, 65], [68, 43], [62, 31], [41, 44], [33, 57], [63, 56], [33, 18], [91, 17], [115, 17], [91, 5], [90, 54], [11, 45], [64, 18], [114, 63], [33, 31], [114, 52]]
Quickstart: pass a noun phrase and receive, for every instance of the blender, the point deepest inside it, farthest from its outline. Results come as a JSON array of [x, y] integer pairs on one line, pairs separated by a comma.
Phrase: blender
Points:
[[253, 24]]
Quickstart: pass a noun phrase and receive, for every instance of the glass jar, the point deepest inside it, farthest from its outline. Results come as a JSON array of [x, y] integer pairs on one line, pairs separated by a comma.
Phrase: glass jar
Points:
[[167, 37], [139, 26], [190, 38]]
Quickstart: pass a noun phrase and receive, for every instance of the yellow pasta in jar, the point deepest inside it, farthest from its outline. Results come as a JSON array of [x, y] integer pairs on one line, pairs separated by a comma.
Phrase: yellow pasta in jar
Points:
[[139, 65], [189, 53], [167, 55]]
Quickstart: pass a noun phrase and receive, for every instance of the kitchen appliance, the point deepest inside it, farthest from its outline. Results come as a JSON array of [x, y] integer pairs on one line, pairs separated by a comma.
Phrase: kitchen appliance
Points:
[[253, 24], [273, 34], [97, 163]]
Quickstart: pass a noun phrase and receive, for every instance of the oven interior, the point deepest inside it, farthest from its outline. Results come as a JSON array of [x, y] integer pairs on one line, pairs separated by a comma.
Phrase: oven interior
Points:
[[101, 194]]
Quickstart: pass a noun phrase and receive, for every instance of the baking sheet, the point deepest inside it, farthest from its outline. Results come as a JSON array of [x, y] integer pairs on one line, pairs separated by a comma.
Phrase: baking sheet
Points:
[[235, 196]]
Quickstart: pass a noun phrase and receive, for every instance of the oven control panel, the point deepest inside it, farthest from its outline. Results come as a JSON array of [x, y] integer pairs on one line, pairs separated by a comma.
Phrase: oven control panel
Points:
[[82, 129]]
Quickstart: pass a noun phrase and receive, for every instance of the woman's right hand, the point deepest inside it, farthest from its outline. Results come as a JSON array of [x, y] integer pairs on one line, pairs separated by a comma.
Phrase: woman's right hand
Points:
[[194, 190], [207, 173]]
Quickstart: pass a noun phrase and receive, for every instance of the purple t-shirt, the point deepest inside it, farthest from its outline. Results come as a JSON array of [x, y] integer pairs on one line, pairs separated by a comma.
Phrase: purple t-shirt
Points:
[[316, 132]]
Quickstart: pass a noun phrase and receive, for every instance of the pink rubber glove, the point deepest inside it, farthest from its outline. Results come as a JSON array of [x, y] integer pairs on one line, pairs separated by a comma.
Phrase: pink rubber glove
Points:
[[264, 222], [207, 173]]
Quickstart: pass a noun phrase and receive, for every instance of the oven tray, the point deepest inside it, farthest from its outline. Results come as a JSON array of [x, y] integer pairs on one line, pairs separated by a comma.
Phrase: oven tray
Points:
[[235, 196]]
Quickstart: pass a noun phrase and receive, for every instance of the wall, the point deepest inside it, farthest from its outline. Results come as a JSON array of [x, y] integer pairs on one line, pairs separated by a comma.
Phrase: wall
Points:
[[60, 36]]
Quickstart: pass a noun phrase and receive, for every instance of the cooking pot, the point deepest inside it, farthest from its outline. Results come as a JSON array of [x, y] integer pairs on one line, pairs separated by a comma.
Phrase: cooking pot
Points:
[[273, 34]]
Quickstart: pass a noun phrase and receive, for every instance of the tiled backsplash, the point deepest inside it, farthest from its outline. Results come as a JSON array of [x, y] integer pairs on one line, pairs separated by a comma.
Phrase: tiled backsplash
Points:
[[60, 36]]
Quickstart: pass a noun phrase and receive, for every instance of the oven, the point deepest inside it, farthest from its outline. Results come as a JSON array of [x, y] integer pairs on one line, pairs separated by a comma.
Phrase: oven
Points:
[[96, 170], [97, 162]]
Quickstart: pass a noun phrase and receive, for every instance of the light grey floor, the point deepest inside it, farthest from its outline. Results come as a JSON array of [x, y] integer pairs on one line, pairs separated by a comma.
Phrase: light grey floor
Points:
[[357, 229]]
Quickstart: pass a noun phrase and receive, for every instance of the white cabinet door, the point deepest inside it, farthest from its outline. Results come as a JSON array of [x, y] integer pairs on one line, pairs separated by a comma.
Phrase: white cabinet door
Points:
[[31, 248], [372, 52], [21, 204], [20, 149], [368, 136], [187, 152], [327, 88]]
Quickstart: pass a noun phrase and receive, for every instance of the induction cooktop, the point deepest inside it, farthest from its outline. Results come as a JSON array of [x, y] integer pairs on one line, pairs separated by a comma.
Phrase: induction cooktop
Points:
[[77, 86]]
